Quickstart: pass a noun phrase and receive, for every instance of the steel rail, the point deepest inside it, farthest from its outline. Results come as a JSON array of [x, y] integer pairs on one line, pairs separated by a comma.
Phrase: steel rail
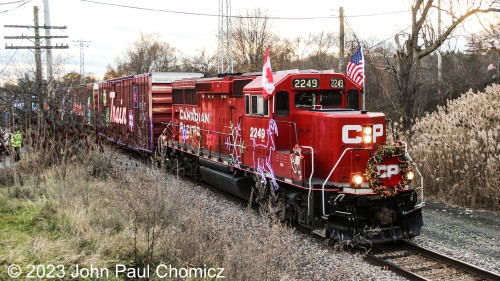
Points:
[[415, 274]]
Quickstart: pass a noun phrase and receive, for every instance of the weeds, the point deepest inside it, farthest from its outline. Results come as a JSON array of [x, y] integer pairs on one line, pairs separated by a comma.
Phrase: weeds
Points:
[[458, 148], [141, 216]]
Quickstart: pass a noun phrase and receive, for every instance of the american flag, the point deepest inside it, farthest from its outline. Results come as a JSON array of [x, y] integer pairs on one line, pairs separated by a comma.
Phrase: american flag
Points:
[[356, 67]]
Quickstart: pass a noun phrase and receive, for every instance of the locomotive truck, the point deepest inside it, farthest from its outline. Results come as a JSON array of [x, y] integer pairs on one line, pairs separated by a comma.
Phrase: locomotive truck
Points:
[[309, 151]]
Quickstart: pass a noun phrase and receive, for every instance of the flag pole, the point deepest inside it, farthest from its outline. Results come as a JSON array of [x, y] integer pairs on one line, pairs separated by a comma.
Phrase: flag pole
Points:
[[364, 80], [364, 97]]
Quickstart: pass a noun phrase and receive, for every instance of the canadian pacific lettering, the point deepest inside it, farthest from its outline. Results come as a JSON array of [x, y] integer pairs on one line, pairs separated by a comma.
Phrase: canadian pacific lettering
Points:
[[194, 116]]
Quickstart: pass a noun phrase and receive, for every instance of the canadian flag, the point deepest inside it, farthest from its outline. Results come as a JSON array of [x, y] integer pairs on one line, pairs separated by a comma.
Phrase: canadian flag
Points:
[[267, 77]]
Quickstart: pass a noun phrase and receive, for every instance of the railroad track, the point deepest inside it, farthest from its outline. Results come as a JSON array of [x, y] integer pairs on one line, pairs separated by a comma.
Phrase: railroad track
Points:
[[416, 263]]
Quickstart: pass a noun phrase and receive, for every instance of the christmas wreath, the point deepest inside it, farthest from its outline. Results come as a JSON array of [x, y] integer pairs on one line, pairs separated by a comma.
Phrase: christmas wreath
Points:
[[373, 174]]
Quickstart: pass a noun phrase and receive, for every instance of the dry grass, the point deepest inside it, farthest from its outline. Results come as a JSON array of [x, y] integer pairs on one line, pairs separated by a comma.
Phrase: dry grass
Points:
[[458, 148], [105, 210]]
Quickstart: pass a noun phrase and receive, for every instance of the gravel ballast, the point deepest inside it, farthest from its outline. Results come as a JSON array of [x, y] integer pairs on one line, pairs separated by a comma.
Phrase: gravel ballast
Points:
[[464, 234]]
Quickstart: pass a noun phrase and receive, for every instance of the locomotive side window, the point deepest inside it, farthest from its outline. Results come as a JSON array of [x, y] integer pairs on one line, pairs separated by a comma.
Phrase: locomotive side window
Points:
[[259, 106], [254, 104], [353, 99], [247, 104], [282, 104]]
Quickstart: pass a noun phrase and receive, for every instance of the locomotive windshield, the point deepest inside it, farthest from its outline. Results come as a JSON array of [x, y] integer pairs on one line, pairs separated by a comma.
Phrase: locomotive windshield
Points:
[[323, 98]]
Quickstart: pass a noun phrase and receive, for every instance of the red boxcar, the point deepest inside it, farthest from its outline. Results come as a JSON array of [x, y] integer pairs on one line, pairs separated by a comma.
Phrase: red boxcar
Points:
[[134, 110]]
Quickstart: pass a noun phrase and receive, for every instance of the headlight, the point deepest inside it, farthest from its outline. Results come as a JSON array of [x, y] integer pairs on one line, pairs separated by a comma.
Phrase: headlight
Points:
[[367, 130], [367, 134], [357, 180], [410, 175]]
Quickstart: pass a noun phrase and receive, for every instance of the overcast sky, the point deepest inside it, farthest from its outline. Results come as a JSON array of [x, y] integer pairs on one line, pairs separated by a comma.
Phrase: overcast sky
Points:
[[111, 28]]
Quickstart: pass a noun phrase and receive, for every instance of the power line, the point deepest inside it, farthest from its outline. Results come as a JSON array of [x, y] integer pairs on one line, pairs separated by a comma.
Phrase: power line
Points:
[[19, 6], [241, 17], [10, 60], [383, 41], [378, 14], [378, 43], [203, 14], [15, 2]]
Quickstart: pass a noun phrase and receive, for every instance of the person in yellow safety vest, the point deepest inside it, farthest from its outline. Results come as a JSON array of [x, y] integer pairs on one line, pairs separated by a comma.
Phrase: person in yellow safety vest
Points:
[[16, 141]]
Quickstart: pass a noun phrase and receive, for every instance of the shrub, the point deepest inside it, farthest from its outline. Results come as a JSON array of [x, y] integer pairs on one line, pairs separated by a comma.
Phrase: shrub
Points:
[[458, 148]]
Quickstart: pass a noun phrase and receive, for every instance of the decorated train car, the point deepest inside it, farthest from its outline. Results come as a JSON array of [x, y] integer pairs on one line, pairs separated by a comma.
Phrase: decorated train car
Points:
[[78, 103], [309, 152], [131, 111]]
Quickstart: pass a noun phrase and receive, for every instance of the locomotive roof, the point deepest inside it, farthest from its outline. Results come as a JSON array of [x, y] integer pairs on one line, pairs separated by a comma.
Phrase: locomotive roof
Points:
[[256, 84], [160, 77], [280, 76]]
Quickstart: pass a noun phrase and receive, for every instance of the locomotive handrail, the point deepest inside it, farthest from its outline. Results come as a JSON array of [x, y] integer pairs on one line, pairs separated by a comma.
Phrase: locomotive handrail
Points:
[[421, 195], [206, 130], [310, 177], [175, 124], [331, 172], [159, 147]]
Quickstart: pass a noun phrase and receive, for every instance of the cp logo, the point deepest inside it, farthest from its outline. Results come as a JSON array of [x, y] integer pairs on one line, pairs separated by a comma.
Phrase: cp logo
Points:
[[352, 133], [387, 171]]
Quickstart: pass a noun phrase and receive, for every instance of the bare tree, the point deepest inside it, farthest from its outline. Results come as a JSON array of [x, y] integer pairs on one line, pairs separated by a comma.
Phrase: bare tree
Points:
[[146, 54], [322, 45], [423, 40], [486, 41], [282, 53], [201, 62], [112, 73], [251, 34]]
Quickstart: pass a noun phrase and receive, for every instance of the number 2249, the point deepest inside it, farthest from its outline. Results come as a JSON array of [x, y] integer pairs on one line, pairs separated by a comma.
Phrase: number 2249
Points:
[[257, 133]]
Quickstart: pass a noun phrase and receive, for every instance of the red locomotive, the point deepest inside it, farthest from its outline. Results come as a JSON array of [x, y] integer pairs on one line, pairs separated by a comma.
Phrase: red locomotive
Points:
[[309, 149]]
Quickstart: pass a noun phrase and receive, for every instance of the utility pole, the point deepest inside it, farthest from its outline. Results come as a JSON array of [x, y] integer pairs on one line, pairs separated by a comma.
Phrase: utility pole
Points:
[[37, 48], [440, 65], [48, 54], [38, 51], [341, 38], [82, 44]]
